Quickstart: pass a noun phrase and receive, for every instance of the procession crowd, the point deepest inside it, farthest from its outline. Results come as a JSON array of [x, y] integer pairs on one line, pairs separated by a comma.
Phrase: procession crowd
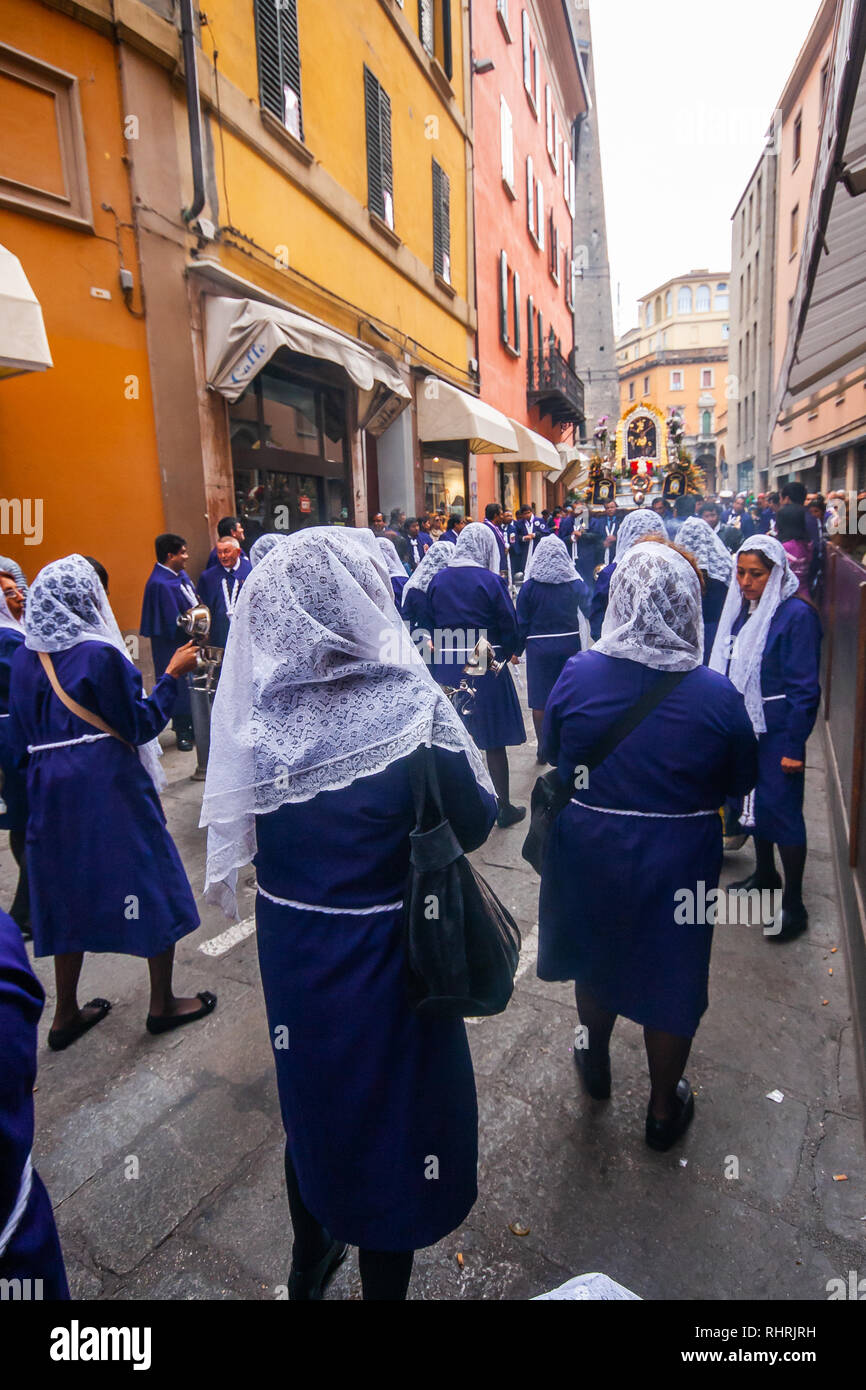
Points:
[[672, 667]]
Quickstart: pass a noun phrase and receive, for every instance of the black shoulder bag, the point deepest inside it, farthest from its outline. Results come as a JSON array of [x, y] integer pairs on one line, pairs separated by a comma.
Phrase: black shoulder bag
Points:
[[550, 795], [462, 945]]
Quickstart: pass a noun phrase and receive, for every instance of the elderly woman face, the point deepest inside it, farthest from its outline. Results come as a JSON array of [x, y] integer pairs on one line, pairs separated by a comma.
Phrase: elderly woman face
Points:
[[753, 571], [13, 596]]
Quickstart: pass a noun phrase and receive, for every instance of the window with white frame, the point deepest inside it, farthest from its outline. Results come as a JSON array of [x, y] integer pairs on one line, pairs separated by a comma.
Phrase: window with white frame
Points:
[[631, 390], [726, 332], [531, 66], [702, 300], [506, 137], [539, 212], [648, 315], [557, 140], [708, 378], [669, 304], [684, 300], [530, 196], [548, 118], [676, 381], [502, 16], [721, 299]]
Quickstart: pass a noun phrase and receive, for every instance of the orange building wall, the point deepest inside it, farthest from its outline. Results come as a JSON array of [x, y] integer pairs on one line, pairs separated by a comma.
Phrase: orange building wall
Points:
[[661, 395], [70, 436]]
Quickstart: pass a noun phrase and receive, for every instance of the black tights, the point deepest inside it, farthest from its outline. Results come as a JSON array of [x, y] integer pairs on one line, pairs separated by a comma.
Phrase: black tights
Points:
[[667, 1053], [20, 909], [793, 859], [385, 1274], [497, 764]]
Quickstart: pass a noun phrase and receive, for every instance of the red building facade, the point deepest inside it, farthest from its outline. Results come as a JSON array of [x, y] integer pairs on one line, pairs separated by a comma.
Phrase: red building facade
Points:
[[526, 113]]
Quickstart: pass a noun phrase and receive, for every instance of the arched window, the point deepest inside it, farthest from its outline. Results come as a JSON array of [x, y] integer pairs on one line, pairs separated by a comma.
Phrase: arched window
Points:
[[702, 300], [684, 300], [669, 304], [658, 307], [721, 296], [649, 315]]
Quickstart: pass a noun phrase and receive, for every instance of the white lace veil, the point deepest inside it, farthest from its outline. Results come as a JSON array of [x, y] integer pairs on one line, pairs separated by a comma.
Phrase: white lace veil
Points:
[[476, 545], [370, 543], [264, 545], [12, 567], [654, 613], [746, 650], [550, 563], [440, 554], [67, 605], [641, 522], [320, 685], [713, 557], [396, 569]]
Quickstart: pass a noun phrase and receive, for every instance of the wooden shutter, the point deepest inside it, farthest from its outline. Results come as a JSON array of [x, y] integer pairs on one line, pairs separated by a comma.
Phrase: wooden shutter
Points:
[[506, 140], [503, 296], [530, 328], [527, 54], [548, 115], [279, 56], [441, 222], [380, 172], [516, 289], [425, 24], [539, 212], [530, 195], [447, 54], [536, 86]]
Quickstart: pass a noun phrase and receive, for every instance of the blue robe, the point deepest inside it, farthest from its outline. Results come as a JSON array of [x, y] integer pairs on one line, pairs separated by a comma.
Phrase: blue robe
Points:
[[368, 1090], [415, 610], [500, 543], [418, 547], [790, 668], [34, 1250], [610, 880], [104, 872], [14, 790], [522, 534], [548, 626], [712, 603], [448, 535], [398, 584], [469, 602], [600, 596], [165, 596], [211, 592]]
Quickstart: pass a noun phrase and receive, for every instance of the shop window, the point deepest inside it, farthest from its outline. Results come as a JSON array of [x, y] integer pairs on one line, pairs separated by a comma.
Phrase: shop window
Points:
[[380, 169], [279, 56], [445, 473]]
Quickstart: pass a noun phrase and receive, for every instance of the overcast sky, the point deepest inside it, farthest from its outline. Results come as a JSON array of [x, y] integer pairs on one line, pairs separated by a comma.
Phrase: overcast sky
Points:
[[685, 91]]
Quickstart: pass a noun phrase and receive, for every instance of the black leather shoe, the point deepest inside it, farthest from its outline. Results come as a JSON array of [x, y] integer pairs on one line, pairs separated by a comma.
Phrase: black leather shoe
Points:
[[307, 1286], [594, 1073], [795, 920], [185, 745], [510, 815], [755, 881], [662, 1134]]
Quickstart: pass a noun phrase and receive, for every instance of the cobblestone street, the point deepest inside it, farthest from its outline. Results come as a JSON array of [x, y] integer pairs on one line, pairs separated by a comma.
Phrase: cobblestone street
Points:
[[206, 1215]]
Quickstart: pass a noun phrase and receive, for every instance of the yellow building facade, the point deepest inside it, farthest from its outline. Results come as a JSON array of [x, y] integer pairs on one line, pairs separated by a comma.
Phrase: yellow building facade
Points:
[[299, 235]]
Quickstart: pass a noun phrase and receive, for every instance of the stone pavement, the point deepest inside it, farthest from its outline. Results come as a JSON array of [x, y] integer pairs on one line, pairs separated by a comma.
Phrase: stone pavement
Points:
[[163, 1156]]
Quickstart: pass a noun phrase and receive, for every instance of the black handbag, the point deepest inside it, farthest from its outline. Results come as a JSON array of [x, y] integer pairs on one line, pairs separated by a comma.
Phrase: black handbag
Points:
[[462, 946], [550, 795]]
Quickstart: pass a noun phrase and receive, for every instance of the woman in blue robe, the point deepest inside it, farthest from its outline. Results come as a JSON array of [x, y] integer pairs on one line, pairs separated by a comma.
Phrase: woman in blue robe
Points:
[[13, 805], [322, 701], [169, 592], [396, 570], [552, 608], [413, 603], [637, 524], [466, 601], [769, 643], [29, 1247], [110, 879], [716, 564], [642, 829]]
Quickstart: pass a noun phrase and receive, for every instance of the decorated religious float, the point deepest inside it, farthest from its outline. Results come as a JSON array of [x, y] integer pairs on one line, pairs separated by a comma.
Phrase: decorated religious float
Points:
[[644, 459]]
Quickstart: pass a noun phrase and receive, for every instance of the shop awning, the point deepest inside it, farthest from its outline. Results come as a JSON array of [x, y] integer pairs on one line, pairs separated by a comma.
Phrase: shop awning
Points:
[[534, 452], [23, 344], [242, 335], [797, 461], [445, 412], [575, 471]]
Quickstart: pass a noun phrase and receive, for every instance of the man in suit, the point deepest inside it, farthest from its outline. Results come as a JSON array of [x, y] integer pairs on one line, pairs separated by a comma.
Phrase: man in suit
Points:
[[419, 542], [227, 526], [493, 515], [220, 586], [169, 592], [739, 520], [606, 527]]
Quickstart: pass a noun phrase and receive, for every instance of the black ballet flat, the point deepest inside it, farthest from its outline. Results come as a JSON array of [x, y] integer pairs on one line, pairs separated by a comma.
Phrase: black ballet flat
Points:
[[594, 1074], [307, 1286], [663, 1134], [61, 1038], [510, 815], [163, 1023], [795, 920]]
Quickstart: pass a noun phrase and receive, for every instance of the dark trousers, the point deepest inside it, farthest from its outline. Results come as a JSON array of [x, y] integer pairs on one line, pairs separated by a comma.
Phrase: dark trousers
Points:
[[20, 909]]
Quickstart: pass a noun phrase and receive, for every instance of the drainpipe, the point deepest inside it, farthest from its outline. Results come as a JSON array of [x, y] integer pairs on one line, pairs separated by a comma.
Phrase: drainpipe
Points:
[[193, 109]]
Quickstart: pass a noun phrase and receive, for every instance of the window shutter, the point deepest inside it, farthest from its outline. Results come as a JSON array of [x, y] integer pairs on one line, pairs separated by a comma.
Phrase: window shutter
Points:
[[527, 54], [503, 296], [548, 115], [380, 172], [516, 289], [506, 132], [530, 325], [447, 55], [530, 195], [441, 223], [556, 141], [425, 24], [536, 86], [539, 212], [279, 59], [572, 207]]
